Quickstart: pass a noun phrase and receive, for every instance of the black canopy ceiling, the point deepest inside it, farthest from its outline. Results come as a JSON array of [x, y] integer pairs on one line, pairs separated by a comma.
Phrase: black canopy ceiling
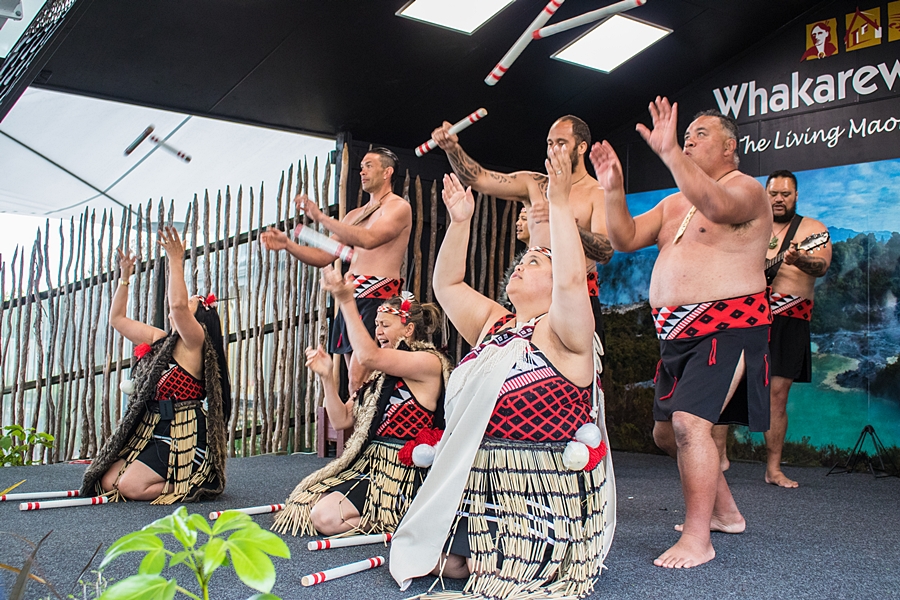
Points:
[[329, 66]]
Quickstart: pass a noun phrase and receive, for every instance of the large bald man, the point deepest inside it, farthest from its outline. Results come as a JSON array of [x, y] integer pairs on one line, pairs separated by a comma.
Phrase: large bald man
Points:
[[708, 294]]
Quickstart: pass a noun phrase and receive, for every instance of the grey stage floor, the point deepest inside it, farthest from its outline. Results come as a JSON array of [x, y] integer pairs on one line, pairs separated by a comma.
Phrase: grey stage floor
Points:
[[834, 537]]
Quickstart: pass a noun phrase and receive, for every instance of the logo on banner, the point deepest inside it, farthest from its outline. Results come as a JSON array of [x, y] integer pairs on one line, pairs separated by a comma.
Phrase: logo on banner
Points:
[[893, 21], [820, 39], [863, 29]]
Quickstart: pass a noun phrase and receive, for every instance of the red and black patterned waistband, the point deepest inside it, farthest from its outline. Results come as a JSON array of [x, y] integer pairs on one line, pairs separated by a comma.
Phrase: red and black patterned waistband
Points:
[[695, 320], [593, 282], [786, 305], [379, 288]]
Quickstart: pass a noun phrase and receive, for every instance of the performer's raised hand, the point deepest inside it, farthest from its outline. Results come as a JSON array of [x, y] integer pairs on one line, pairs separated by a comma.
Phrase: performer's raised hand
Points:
[[607, 166], [274, 239], [559, 172], [126, 263], [309, 207], [341, 288], [169, 240], [443, 137], [458, 199], [663, 138], [319, 361]]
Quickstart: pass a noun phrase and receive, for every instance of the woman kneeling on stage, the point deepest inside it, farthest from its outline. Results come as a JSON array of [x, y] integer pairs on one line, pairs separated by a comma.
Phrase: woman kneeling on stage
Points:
[[397, 417], [521, 497], [168, 447]]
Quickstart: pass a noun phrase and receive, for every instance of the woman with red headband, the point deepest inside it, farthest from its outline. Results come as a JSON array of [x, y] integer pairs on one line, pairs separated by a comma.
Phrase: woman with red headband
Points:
[[521, 497], [169, 447], [397, 414]]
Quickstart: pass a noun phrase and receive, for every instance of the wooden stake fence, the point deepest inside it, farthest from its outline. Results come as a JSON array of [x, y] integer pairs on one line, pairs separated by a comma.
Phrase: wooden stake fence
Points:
[[61, 363]]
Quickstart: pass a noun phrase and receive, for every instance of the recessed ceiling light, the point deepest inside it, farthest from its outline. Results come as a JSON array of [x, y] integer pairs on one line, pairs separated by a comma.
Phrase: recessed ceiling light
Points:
[[459, 15], [611, 43]]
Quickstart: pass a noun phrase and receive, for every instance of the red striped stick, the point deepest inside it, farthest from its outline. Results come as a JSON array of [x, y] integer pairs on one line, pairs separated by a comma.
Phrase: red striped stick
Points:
[[456, 128], [156, 140], [355, 540], [64, 503], [321, 576], [253, 510], [39, 495], [311, 237], [588, 17], [524, 39]]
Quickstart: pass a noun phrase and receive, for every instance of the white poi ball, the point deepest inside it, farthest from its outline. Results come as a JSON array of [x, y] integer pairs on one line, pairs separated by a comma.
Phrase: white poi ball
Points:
[[127, 386], [575, 456], [423, 455], [589, 435]]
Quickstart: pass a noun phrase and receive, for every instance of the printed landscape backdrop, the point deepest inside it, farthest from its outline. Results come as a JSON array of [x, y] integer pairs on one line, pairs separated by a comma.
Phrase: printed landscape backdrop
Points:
[[835, 122]]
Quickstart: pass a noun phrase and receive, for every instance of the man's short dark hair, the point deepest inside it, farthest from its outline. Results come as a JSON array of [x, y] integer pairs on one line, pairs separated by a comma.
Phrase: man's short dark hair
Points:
[[580, 129], [388, 159], [782, 173], [728, 124]]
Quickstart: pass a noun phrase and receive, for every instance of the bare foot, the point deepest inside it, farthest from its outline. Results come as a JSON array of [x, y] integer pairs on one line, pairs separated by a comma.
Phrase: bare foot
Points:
[[780, 479], [721, 525], [689, 551]]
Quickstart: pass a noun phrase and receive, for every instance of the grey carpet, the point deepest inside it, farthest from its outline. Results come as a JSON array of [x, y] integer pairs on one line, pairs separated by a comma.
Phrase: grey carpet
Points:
[[834, 537]]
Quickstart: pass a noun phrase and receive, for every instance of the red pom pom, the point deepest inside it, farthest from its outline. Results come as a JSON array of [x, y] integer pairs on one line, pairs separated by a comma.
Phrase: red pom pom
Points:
[[429, 436], [211, 300], [596, 455], [141, 350], [405, 454]]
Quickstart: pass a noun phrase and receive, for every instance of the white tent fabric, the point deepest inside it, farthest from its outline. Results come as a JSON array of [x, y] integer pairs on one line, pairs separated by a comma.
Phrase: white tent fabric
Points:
[[61, 153]]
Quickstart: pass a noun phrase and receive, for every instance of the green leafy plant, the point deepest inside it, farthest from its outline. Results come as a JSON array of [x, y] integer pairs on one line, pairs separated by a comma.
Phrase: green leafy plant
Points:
[[17, 444], [246, 549]]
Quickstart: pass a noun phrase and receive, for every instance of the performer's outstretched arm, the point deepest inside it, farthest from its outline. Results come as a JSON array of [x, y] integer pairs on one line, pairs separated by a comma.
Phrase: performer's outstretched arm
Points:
[[416, 366], [732, 201], [184, 321], [512, 186], [273, 239], [626, 233], [340, 414], [570, 309], [134, 331], [395, 218], [470, 312]]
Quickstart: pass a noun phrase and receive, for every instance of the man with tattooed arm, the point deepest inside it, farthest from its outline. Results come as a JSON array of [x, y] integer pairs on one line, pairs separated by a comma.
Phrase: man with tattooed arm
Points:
[[530, 188]]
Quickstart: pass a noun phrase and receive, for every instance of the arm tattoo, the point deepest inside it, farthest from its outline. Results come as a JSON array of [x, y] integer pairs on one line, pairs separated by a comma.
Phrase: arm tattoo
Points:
[[596, 246], [543, 182], [811, 265], [464, 166]]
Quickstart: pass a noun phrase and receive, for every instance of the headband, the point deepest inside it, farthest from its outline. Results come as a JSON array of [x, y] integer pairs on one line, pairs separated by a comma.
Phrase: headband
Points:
[[542, 250], [406, 300], [209, 301]]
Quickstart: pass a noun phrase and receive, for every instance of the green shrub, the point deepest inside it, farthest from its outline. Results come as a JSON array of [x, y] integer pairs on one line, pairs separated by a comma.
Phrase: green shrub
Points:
[[247, 550], [17, 444]]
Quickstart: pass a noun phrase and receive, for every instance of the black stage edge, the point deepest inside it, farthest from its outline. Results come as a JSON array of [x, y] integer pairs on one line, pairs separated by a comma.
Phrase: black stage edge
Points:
[[834, 537]]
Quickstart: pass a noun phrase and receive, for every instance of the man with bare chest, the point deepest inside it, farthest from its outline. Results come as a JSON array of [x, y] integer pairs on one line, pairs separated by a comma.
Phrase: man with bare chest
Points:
[[799, 252], [530, 188], [708, 296], [379, 233]]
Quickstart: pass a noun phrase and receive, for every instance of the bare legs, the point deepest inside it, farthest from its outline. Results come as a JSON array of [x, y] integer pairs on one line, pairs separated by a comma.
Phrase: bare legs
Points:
[[334, 514], [778, 390], [138, 482]]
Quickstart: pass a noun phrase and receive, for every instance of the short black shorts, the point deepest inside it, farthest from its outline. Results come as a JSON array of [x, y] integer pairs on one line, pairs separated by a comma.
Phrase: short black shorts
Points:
[[790, 349], [156, 453], [339, 342], [694, 376], [599, 326]]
